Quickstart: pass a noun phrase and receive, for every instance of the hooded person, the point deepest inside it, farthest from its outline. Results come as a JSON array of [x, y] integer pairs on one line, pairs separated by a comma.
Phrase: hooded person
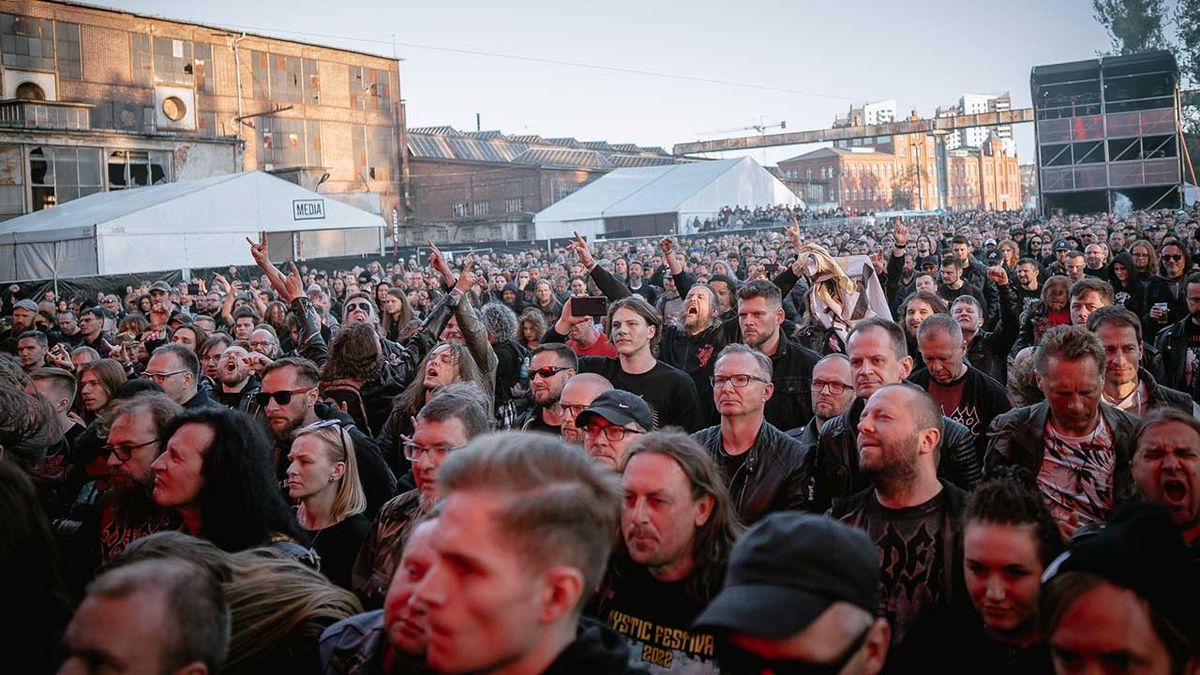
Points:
[[511, 297], [1128, 290]]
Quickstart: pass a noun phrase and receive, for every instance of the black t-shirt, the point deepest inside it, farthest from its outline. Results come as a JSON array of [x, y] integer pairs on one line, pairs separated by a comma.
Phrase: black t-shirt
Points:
[[338, 547], [655, 618], [917, 556], [669, 391]]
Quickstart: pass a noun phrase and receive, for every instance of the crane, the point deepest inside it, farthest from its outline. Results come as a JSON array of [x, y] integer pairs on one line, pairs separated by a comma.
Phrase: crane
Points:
[[761, 128]]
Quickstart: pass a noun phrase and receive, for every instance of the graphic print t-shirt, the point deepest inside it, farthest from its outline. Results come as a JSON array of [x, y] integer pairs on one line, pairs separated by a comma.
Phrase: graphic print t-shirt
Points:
[[1076, 477], [912, 545], [655, 618]]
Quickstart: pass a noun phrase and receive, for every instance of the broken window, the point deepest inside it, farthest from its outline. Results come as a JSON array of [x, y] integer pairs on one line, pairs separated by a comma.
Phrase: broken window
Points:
[[137, 168], [173, 61], [59, 175], [203, 68], [370, 89]]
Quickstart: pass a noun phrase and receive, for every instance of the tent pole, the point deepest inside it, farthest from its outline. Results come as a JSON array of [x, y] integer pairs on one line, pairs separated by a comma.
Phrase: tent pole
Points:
[[56, 271]]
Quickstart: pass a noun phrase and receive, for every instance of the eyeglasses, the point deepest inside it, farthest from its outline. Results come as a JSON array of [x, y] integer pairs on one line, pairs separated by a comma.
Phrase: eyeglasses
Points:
[[835, 388], [158, 378], [1172, 256], [414, 451], [572, 411], [614, 434], [547, 372], [123, 453], [739, 381], [364, 306], [281, 397]]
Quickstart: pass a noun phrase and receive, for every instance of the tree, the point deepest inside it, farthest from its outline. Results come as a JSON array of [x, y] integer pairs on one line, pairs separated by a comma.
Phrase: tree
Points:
[[1133, 25], [902, 198]]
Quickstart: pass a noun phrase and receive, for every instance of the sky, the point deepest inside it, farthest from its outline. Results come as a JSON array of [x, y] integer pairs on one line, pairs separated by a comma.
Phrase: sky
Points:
[[722, 66]]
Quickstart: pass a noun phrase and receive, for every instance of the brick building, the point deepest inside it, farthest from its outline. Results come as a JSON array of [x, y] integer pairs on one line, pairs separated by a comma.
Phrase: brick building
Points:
[[96, 99], [890, 172], [986, 178], [486, 186]]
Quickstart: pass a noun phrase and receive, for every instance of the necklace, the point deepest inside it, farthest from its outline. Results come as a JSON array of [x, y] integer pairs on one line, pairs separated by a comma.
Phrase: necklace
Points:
[[1131, 402]]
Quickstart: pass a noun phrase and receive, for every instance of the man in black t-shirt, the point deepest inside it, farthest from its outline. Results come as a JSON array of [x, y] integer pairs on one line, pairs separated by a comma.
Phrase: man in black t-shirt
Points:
[[966, 394], [677, 527], [910, 515]]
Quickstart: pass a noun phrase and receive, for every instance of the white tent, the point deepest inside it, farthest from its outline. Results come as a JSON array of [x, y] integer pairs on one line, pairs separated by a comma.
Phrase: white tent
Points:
[[661, 199], [184, 225]]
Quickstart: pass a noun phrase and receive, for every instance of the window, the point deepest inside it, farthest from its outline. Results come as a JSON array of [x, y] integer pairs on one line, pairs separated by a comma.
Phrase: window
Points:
[[27, 42], [59, 175], [312, 81], [514, 205], [564, 191], [70, 64], [12, 186], [286, 80], [143, 59], [172, 61], [808, 174], [137, 168], [203, 68], [284, 142], [370, 89], [479, 208], [460, 210], [379, 153]]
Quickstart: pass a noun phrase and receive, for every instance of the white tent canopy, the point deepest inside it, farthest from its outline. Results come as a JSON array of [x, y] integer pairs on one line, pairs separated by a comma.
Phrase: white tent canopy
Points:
[[180, 226], [681, 191]]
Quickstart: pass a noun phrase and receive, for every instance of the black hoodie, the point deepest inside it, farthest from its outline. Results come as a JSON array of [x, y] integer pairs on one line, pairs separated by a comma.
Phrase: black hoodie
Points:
[[597, 650], [1132, 295]]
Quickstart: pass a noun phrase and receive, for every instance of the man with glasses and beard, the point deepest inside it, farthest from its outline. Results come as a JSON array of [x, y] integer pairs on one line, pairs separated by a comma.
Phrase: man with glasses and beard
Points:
[[578, 393], [1166, 293], [455, 415], [832, 392], [553, 363], [177, 370], [289, 399], [134, 441]]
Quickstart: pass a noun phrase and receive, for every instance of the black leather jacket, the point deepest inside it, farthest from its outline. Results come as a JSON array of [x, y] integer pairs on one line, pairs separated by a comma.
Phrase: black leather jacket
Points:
[[1172, 347], [836, 471], [1018, 438], [773, 478]]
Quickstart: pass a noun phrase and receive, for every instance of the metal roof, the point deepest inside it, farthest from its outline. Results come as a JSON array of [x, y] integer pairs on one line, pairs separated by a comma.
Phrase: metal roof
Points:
[[494, 147]]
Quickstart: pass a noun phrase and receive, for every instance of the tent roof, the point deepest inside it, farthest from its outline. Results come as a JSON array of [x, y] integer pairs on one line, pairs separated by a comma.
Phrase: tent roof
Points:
[[239, 202], [647, 190]]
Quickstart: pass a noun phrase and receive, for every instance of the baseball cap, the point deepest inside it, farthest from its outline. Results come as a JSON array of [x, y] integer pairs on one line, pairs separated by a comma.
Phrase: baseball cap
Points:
[[160, 286], [180, 317], [787, 569], [1061, 245], [1141, 549], [26, 304], [618, 407]]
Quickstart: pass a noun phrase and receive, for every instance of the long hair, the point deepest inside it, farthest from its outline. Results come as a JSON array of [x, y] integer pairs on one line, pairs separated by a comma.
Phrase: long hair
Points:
[[714, 539], [414, 395], [241, 505], [109, 371], [1152, 264], [279, 607], [354, 354], [29, 572], [534, 316], [392, 327], [339, 447], [638, 305], [500, 321]]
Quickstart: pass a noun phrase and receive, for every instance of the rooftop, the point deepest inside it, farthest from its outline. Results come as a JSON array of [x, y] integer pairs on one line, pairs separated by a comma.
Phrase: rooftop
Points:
[[448, 143]]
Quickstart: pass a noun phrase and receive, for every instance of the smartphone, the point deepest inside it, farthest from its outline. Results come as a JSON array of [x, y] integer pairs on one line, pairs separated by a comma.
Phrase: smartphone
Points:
[[193, 289], [590, 305]]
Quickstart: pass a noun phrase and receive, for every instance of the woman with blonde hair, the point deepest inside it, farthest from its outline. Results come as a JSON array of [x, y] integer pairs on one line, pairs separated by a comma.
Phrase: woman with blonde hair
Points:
[[323, 479]]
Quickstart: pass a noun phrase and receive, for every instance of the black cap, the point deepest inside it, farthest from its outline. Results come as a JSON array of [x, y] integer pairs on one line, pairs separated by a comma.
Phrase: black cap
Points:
[[1061, 245], [1142, 550], [787, 569], [619, 407], [180, 317]]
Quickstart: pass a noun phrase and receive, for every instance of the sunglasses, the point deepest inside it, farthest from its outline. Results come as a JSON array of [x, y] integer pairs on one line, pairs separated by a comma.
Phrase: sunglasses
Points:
[[1172, 256], [547, 372], [281, 397], [364, 306]]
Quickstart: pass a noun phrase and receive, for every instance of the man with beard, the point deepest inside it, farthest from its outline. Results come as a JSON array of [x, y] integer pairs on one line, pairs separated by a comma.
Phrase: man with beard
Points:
[[1028, 289], [236, 382], [577, 394], [289, 399], [966, 394], [1166, 293], [177, 370], [878, 356], [553, 363], [1128, 386], [135, 440], [760, 317], [677, 527], [1166, 468], [455, 415], [911, 515]]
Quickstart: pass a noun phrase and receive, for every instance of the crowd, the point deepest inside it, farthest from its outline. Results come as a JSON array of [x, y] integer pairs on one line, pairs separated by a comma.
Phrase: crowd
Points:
[[955, 443], [776, 215]]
